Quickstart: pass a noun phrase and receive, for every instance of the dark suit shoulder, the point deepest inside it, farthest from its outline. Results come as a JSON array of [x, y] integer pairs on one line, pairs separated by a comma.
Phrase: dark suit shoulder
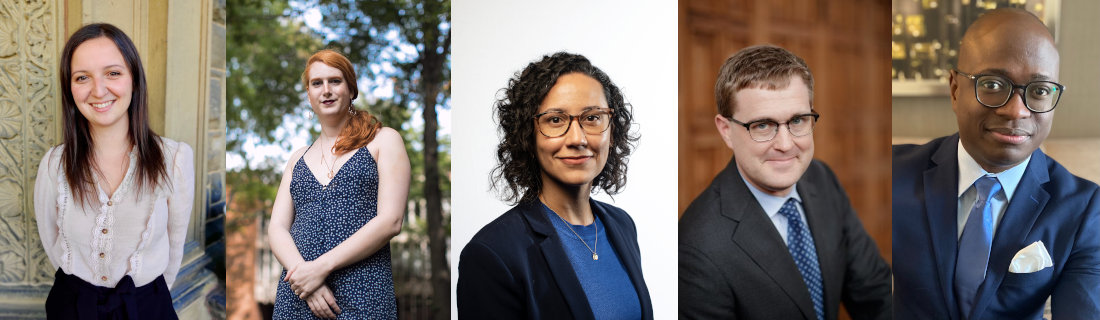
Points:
[[615, 217], [701, 211], [1063, 184], [703, 219], [818, 174], [908, 156], [509, 233]]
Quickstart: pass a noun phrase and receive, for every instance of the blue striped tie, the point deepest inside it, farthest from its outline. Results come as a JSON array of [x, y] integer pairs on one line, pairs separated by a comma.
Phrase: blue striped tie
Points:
[[801, 245], [977, 236]]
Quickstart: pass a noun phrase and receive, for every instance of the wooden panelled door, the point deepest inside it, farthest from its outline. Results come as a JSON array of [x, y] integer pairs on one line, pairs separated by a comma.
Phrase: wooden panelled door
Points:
[[847, 46]]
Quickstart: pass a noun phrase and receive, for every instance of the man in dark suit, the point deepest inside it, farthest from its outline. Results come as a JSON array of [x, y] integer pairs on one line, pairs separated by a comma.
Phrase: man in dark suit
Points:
[[774, 236], [990, 227]]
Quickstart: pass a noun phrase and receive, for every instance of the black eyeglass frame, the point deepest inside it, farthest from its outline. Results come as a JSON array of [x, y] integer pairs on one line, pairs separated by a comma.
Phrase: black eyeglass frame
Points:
[[610, 116], [1014, 86], [775, 132]]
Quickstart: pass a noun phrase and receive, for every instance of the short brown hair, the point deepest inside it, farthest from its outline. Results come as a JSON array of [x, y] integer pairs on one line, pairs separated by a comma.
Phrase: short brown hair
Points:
[[763, 66]]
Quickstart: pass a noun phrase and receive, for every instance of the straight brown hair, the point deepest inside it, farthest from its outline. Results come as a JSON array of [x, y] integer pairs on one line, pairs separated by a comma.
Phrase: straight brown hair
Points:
[[76, 155]]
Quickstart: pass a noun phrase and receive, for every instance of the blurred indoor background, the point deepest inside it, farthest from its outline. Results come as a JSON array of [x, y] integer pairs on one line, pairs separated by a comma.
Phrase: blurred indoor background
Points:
[[922, 109], [845, 44]]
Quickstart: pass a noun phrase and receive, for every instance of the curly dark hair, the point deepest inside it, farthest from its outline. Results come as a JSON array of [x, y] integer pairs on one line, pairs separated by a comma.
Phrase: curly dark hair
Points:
[[517, 175]]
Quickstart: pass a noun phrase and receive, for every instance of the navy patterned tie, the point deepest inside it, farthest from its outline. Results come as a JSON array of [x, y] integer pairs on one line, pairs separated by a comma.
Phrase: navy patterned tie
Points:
[[974, 244], [801, 245]]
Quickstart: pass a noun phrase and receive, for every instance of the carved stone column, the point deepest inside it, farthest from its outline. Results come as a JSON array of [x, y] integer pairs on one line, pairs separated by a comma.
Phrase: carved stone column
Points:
[[28, 127]]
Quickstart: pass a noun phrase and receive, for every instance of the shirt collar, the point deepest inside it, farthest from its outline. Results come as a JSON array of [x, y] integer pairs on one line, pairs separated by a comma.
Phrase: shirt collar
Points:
[[771, 204], [970, 171]]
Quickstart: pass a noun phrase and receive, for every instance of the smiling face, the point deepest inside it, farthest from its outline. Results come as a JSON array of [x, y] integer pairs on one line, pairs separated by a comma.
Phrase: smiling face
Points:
[[772, 166], [327, 89], [101, 83], [576, 158], [1015, 46]]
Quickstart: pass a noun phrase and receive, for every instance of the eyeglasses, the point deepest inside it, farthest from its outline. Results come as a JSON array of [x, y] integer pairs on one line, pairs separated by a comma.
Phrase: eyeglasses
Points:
[[994, 91], [556, 123], [766, 129]]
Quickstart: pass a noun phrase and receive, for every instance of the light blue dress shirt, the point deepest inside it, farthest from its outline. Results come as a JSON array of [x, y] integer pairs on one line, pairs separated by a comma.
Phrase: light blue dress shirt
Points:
[[969, 172], [772, 204]]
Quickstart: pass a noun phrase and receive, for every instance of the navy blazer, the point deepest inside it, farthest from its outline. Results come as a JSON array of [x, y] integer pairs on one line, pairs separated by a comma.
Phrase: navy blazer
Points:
[[515, 267], [734, 264], [1049, 205]]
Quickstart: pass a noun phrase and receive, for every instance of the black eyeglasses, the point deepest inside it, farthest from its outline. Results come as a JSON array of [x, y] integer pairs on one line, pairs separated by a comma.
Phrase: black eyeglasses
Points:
[[766, 129], [994, 91], [556, 123]]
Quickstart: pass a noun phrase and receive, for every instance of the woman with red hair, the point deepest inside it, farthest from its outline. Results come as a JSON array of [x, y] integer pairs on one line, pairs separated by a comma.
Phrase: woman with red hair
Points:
[[340, 202]]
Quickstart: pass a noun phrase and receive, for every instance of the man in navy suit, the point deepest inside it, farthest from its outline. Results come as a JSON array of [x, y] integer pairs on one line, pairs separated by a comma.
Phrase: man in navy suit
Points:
[[774, 236], [986, 226]]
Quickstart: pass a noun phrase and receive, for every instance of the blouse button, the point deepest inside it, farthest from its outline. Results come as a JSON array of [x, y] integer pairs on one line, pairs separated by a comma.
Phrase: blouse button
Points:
[[101, 255], [104, 231], [110, 203], [104, 278]]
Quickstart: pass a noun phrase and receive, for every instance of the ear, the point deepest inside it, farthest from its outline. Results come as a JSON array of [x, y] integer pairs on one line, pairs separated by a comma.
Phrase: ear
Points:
[[954, 87], [723, 126]]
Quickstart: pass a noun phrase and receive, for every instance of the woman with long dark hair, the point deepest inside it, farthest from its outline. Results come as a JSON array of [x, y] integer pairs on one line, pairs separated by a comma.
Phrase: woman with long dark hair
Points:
[[340, 202], [114, 200], [558, 254]]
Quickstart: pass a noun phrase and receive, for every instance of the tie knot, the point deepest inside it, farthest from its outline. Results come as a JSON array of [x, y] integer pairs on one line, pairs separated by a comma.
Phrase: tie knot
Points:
[[789, 210], [987, 186]]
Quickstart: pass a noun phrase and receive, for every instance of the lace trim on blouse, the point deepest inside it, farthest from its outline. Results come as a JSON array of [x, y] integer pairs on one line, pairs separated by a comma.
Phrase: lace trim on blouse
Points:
[[136, 258], [62, 203], [102, 236]]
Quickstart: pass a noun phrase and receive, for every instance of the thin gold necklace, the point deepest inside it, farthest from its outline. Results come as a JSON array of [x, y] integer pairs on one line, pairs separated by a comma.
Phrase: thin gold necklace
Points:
[[331, 172], [569, 225]]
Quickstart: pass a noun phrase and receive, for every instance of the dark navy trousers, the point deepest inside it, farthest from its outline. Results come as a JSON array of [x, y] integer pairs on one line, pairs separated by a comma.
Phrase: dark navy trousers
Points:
[[74, 298]]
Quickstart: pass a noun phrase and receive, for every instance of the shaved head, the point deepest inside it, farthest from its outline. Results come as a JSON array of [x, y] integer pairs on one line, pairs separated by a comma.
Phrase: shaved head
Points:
[[1006, 29], [1014, 45]]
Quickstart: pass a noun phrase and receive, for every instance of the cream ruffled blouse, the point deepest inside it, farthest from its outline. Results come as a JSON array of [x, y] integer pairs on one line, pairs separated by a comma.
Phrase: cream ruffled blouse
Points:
[[134, 232]]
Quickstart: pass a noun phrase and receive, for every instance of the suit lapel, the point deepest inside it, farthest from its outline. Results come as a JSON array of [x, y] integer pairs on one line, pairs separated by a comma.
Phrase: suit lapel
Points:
[[824, 232], [558, 263], [1024, 208], [756, 235], [941, 211], [627, 255]]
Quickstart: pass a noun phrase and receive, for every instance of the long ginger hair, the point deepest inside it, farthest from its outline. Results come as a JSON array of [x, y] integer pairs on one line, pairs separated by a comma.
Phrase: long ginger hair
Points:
[[361, 126]]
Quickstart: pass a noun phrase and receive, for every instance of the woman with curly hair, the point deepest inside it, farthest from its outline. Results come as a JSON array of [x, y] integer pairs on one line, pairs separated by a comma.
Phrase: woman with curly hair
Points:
[[558, 254], [340, 202]]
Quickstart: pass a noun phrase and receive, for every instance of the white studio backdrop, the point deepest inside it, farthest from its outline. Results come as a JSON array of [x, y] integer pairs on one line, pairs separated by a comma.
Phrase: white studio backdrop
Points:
[[635, 44]]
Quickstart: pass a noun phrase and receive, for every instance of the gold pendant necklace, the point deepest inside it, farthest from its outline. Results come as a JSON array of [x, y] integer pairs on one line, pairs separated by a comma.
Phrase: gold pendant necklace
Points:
[[331, 172], [570, 226]]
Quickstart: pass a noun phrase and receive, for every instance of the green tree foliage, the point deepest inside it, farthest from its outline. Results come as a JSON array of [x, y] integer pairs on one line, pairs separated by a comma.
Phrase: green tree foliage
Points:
[[266, 52]]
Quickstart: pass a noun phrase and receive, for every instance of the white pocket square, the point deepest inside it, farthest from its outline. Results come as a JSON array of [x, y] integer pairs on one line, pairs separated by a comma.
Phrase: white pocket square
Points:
[[1031, 259]]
